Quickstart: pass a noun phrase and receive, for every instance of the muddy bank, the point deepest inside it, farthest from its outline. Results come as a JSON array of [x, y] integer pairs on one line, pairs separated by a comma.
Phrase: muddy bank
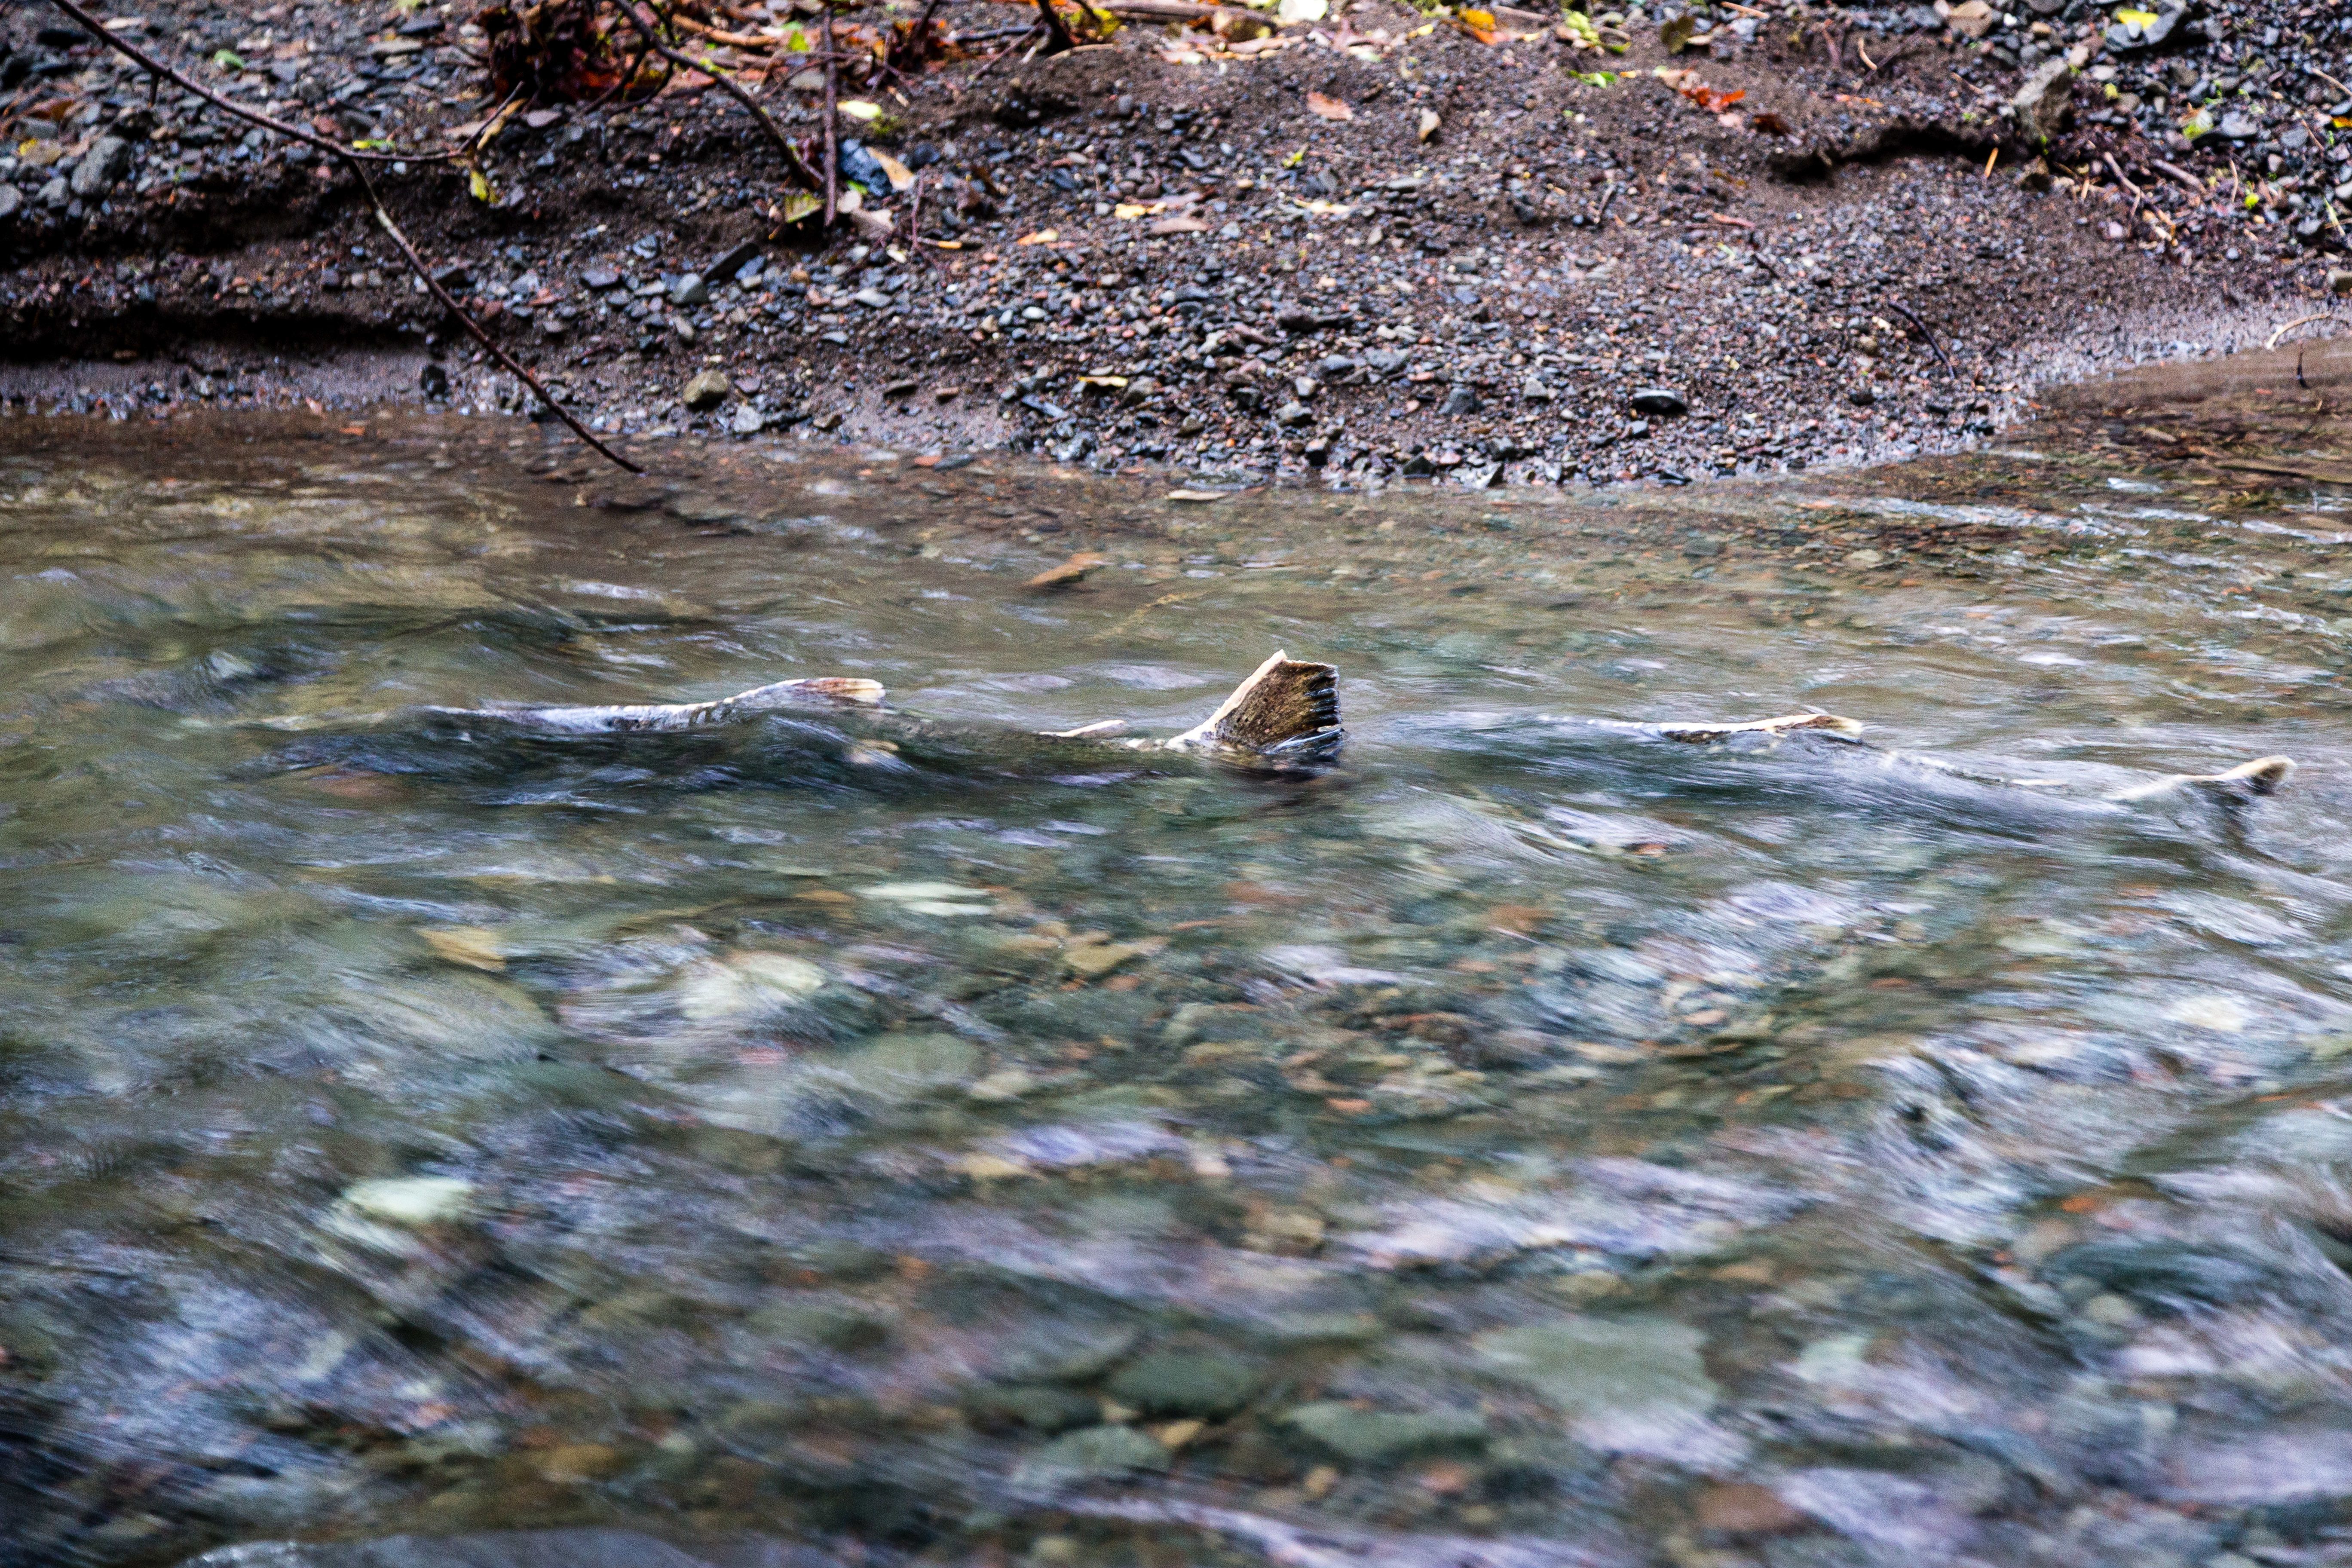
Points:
[[1377, 244]]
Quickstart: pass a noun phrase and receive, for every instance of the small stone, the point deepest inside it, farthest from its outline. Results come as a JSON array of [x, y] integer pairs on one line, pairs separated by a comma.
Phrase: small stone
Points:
[[688, 290], [1864, 559], [1862, 396], [601, 279], [2238, 128], [1290, 416], [1383, 1437], [411, 1200], [432, 380], [748, 421], [707, 391], [101, 168], [56, 193], [1659, 402], [2339, 279], [1742, 1508], [1098, 959], [1533, 389], [1051, 1411], [1207, 1384], [2041, 102], [11, 199], [746, 986], [1459, 400], [875, 299], [1097, 1453]]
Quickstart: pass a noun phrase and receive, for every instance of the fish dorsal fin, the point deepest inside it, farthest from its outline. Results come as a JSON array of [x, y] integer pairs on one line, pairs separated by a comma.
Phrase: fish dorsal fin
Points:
[[1787, 723], [2262, 776], [1285, 706]]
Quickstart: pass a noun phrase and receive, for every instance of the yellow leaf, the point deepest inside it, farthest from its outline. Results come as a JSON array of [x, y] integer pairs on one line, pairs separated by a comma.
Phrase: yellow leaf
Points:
[[901, 177], [1132, 210], [1042, 236], [1482, 20], [798, 204], [858, 108], [479, 186], [1322, 208], [2144, 18]]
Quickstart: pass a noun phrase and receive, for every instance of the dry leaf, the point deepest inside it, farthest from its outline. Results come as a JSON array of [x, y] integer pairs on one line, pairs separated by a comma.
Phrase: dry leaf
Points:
[[1068, 572], [901, 177], [1428, 125], [1196, 496], [858, 108], [1328, 107], [1179, 225], [1042, 236]]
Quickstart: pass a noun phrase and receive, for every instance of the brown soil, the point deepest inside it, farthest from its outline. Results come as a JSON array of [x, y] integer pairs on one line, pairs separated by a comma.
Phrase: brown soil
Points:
[[1820, 271]]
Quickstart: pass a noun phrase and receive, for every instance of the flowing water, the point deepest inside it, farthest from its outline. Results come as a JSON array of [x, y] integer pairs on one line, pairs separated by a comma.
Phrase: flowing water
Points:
[[1530, 1141]]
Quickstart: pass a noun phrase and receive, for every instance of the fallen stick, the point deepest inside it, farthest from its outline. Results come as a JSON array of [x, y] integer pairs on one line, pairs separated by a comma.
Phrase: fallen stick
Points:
[[2181, 176], [1904, 310], [735, 88], [832, 123], [354, 162], [2298, 322]]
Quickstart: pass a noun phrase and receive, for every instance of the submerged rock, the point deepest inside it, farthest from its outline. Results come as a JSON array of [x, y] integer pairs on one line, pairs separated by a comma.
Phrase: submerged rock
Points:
[[1186, 1383], [1381, 1436]]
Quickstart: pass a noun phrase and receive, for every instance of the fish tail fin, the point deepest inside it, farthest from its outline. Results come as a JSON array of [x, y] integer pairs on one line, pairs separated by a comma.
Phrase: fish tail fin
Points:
[[2247, 781], [1287, 709]]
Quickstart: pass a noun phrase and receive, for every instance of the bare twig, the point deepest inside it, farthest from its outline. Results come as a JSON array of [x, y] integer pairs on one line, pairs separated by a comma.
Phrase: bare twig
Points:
[[832, 123], [2180, 177], [1904, 310], [986, 64], [735, 89], [352, 162], [2298, 322]]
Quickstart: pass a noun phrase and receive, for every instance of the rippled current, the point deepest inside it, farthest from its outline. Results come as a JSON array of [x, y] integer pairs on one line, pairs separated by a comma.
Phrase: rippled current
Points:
[[827, 1139]]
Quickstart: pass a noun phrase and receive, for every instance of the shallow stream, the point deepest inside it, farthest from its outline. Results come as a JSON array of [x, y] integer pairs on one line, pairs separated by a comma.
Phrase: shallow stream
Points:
[[1530, 1141]]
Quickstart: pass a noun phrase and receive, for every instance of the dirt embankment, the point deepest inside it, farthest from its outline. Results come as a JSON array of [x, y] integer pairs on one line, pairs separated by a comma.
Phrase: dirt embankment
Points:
[[1379, 243]]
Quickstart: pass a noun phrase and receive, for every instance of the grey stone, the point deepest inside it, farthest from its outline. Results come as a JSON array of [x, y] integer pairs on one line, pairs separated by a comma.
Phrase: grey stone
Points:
[[1097, 1453], [1386, 362], [2042, 99], [707, 391], [601, 279], [1459, 400], [56, 193], [875, 299], [1631, 1384], [2238, 128], [107, 159], [11, 199], [1206, 1383], [1660, 401], [1533, 389], [1383, 1437], [748, 421], [688, 290], [1292, 415]]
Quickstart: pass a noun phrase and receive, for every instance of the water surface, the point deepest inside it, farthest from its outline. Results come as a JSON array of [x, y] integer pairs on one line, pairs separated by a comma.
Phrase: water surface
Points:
[[1530, 1142]]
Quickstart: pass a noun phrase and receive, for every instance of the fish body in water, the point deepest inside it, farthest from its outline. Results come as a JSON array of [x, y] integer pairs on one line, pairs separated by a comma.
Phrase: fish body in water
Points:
[[2239, 785], [1285, 716]]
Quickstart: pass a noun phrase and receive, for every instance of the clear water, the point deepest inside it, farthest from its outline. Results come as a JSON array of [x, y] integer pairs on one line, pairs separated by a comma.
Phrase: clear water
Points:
[[1527, 1142]]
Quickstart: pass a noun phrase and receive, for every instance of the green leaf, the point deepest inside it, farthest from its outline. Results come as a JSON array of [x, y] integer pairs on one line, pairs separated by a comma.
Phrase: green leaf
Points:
[[227, 60], [1294, 159], [475, 182], [798, 204], [373, 144]]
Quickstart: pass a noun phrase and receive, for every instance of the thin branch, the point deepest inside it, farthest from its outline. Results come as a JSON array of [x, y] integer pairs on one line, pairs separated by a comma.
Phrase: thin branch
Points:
[[352, 162], [1904, 310], [726, 80], [832, 123]]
